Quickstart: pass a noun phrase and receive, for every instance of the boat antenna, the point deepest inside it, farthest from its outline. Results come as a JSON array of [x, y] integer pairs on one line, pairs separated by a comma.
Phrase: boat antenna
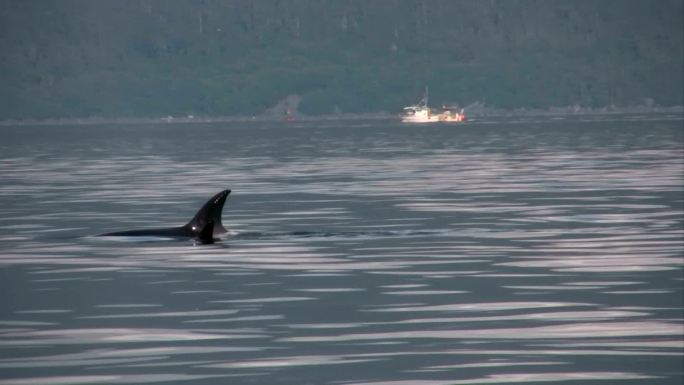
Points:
[[424, 100]]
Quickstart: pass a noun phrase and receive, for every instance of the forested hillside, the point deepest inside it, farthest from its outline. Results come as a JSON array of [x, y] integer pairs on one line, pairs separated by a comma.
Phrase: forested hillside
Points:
[[132, 58]]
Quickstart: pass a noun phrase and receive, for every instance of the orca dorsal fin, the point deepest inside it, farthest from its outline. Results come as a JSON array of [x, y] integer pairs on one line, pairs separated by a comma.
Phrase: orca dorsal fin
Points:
[[210, 213], [206, 235]]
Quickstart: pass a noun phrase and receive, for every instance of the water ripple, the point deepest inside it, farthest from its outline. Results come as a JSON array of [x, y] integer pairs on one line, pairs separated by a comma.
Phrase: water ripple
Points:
[[494, 252]]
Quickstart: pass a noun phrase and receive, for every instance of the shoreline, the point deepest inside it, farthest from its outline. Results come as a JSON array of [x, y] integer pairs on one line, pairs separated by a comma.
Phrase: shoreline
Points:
[[480, 113]]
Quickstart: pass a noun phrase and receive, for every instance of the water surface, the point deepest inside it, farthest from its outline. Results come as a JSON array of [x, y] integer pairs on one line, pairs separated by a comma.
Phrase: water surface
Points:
[[536, 250]]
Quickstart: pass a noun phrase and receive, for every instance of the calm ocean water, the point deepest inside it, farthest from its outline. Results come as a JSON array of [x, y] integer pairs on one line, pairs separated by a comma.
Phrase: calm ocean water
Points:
[[368, 252]]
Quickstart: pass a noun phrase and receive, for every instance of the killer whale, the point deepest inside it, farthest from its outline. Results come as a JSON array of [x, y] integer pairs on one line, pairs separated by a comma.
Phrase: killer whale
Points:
[[204, 226]]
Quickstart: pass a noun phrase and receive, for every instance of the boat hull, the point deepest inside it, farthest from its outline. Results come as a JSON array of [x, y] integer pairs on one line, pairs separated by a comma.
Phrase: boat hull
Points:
[[419, 119], [441, 118]]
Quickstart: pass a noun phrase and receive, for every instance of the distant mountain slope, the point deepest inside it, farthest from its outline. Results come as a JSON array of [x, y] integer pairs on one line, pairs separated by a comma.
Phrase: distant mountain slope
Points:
[[171, 57]]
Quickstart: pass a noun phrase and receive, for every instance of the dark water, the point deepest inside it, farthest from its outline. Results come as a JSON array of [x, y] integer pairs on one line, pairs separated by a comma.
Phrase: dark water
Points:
[[533, 251]]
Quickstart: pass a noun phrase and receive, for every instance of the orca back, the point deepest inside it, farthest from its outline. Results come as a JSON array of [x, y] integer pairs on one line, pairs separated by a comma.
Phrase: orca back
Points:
[[203, 226]]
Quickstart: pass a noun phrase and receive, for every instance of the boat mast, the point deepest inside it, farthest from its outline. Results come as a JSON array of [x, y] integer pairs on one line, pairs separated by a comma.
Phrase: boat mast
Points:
[[425, 97]]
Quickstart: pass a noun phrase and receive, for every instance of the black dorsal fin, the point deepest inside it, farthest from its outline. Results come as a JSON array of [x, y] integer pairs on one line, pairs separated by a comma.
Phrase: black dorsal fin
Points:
[[206, 235], [210, 212]]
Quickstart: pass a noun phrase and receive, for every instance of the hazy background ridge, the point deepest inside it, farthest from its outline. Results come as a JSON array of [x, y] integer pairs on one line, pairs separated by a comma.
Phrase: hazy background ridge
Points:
[[138, 58]]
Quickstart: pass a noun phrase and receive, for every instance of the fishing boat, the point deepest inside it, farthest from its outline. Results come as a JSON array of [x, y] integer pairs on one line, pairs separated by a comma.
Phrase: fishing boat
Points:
[[422, 113]]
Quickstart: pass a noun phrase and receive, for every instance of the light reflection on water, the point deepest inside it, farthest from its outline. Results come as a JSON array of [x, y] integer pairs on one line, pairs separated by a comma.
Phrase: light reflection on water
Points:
[[358, 253]]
